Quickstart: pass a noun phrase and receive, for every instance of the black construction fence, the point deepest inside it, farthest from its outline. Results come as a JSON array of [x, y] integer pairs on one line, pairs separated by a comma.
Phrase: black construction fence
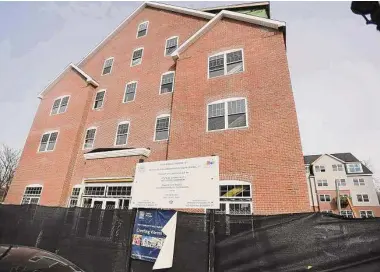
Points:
[[100, 240]]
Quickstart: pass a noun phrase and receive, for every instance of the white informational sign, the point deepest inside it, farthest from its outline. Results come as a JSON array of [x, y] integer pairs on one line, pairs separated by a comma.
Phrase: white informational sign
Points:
[[177, 184]]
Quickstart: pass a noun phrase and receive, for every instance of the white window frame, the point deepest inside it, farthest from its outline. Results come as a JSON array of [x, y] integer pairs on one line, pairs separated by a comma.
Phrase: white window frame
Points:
[[323, 182], [155, 124], [142, 55], [162, 75], [337, 167], [147, 29], [345, 212], [60, 103], [339, 182], [56, 141], [359, 183], [348, 167], [34, 196], [129, 131], [166, 43], [104, 65], [366, 213], [225, 101], [319, 197], [225, 62], [362, 195], [78, 198], [125, 91], [104, 99], [84, 140], [236, 182], [319, 168]]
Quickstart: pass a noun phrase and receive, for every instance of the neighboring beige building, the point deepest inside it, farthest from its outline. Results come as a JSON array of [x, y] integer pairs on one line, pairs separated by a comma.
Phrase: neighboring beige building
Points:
[[326, 172]]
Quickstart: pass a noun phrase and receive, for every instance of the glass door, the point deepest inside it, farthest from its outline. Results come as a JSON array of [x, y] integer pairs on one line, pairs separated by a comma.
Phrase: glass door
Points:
[[105, 203]]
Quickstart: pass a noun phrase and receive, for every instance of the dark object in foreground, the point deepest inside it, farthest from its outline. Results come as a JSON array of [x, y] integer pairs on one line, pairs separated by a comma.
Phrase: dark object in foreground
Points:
[[364, 8]]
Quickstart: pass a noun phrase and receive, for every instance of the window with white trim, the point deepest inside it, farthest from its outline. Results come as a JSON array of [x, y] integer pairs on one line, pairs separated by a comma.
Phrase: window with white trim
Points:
[[366, 214], [327, 211], [362, 198], [48, 141], [107, 66], [225, 63], [120, 193], [142, 29], [354, 168], [167, 83], [235, 198], [60, 105], [226, 115], [130, 91], [162, 128], [122, 134], [322, 182], [89, 138], [359, 181], [137, 56], [99, 99], [320, 168], [31, 195], [324, 198], [337, 167], [74, 197], [171, 45], [347, 214], [341, 182]]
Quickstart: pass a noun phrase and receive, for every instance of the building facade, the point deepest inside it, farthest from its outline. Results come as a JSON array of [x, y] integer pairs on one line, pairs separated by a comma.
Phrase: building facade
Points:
[[171, 83], [328, 174]]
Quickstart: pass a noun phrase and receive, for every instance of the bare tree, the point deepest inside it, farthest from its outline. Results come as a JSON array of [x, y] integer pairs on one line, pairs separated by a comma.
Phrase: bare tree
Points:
[[9, 158]]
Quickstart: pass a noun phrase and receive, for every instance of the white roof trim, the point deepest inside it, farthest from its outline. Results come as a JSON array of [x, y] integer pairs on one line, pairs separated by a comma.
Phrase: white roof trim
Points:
[[331, 156], [89, 79], [118, 153], [232, 15]]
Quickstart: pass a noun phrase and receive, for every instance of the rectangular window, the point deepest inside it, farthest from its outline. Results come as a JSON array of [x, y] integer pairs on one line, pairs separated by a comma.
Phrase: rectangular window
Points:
[[94, 191], [366, 214], [99, 99], [107, 66], [359, 182], [354, 168], [31, 195], [122, 134], [142, 29], [225, 63], [130, 91], [322, 182], [341, 182], [167, 83], [171, 45], [162, 128], [324, 198], [320, 168], [60, 105], [337, 167], [137, 57], [73, 202], [48, 141], [114, 191], [235, 117], [90, 138], [362, 198], [347, 214]]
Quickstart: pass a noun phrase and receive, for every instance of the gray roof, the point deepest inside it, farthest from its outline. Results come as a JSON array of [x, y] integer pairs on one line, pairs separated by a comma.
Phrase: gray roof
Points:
[[346, 157]]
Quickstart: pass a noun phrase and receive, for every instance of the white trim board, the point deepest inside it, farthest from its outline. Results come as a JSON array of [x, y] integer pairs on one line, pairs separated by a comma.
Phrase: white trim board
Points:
[[118, 153]]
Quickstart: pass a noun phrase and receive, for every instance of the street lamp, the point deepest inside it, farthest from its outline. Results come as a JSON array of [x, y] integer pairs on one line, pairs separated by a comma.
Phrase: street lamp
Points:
[[364, 8]]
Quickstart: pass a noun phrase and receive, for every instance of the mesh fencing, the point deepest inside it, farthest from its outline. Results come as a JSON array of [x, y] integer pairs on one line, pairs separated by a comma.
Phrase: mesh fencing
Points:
[[100, 240]]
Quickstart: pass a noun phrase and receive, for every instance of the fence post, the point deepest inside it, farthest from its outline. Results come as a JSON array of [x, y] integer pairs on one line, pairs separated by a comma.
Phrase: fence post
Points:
[[211, 241], [130, 237]]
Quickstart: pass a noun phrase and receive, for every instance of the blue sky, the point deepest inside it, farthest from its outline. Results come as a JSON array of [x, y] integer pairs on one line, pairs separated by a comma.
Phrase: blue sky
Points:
[[333, 58]]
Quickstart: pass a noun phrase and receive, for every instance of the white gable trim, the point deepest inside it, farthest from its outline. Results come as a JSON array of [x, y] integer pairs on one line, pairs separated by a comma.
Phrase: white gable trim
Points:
[[232, 15], [331, 156]]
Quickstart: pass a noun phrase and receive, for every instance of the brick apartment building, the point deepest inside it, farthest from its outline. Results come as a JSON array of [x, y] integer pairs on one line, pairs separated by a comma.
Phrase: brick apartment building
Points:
[[171, 83], [328, 172]]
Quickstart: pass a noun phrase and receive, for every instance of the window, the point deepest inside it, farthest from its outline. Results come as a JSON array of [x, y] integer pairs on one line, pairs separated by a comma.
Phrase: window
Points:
[[114, 191], [94, 191], [366, 214], [322, 182], [359, 182], [107, 66], [48, 141], [235, 197], [137, 57], [324, 198], [327, 211], [337, 167], [32, 194], [130, 92], [320, 168], [347, 214], [112, 196], [167, 83], [341, 182], [60, 105], [227, 114], [73, 201], [162, 128], [90, 138], [307, 169], [99, 99], [171, 45], [122, 134], [226, 63], [362, 198], [354, 168], [142, 29]]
